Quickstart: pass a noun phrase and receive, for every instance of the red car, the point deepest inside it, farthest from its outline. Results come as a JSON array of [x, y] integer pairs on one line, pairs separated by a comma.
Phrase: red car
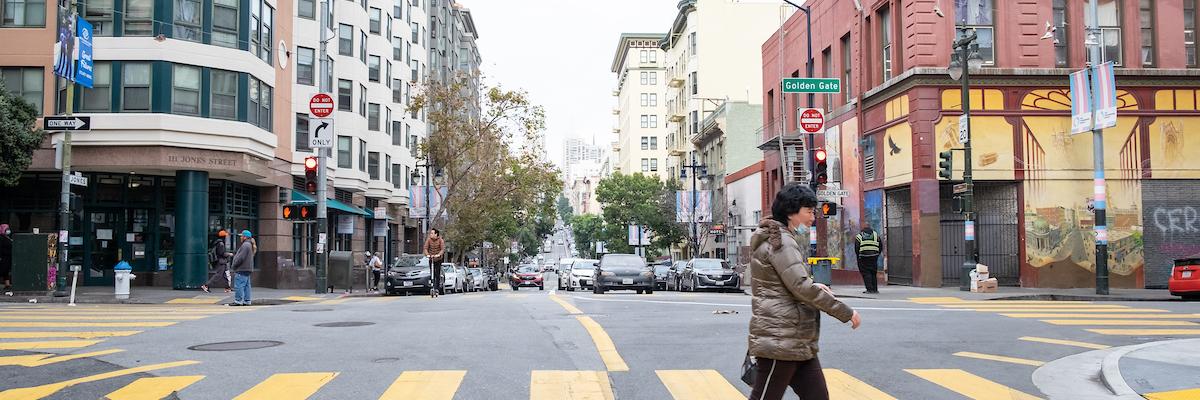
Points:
[[1185, 278], [526, 275]]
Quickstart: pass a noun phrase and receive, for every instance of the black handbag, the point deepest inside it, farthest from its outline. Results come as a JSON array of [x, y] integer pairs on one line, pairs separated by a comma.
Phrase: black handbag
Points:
[[748, 370]]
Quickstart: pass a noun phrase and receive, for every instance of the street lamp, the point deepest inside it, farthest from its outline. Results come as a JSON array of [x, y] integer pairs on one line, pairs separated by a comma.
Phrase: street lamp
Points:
[[966, 48], [703, 172]]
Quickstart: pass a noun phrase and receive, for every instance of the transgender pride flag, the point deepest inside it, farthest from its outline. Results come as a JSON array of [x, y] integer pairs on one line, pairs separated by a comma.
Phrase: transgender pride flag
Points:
[[1104, 91], [1081, 102]]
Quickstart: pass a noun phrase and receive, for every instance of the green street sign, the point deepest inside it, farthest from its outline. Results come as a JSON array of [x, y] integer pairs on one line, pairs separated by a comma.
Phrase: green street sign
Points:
[[812, 85]]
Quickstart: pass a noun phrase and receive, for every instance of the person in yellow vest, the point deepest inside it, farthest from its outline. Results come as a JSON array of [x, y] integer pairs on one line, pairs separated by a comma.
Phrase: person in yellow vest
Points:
[[867, 249]]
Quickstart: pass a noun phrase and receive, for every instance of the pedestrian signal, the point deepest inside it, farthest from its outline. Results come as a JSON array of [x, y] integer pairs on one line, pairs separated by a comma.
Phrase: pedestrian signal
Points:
[[829, 209]]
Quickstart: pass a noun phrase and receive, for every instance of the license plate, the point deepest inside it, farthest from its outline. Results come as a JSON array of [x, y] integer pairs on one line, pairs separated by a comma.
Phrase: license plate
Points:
[[627, 281], [407, 283], [1187, 274]]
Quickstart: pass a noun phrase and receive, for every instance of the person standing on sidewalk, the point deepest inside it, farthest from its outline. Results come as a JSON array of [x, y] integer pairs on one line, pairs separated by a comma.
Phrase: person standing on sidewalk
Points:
[[219, 256], [786, 322], [375, 263], [243, 266], [6, 255], [867, 249], [435, 249]]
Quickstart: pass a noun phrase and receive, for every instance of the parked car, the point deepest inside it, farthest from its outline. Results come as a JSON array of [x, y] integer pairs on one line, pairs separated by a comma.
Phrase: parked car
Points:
[[466, 281], [660, 275], [409, 273], [580, 275], [527, 275], [1185, 278], [674, 273], [452, 280], [493, 279], [479, 281], [563, 270], [623, 272], [709, 273]]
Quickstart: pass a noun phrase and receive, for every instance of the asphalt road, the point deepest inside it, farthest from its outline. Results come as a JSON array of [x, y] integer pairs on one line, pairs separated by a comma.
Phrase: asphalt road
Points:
[[541, 345]]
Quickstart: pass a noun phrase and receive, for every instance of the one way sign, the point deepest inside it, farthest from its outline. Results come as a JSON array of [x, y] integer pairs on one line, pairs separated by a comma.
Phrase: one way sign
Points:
[[66, 123], [320, 133]]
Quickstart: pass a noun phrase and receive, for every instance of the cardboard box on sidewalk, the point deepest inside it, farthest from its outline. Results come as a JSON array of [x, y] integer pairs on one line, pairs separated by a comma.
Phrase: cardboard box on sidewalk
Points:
[[985, 285]]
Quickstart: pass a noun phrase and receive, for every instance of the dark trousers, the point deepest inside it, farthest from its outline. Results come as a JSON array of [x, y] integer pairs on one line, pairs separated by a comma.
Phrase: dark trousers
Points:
[[375, 274], [220, 279], [868, 266], [773, 377]]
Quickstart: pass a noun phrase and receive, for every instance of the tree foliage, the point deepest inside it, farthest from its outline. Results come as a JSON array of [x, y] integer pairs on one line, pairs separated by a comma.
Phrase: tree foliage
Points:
[[638, 200], [19, 136], [498, 185], [587, 230], [565, 211]]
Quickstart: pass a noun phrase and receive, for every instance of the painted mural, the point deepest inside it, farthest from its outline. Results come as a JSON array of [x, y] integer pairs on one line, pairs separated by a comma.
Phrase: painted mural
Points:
[[897, 145], [851, 216]]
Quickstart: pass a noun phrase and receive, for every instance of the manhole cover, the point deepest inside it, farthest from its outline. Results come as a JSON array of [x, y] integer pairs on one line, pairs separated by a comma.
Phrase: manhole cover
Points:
[[385, 360], [344, 324], [234, 346], [313, 310]]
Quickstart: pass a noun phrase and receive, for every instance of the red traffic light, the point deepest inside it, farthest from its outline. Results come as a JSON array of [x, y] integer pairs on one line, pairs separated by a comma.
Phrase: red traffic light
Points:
[[820, 155], [310, 163]]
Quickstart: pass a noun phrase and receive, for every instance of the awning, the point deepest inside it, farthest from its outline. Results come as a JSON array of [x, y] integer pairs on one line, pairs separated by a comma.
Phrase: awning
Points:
[[332, 204]]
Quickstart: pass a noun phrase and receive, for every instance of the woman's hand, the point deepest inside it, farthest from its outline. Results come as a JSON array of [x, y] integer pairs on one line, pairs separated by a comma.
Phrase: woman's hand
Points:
[[855, 321]]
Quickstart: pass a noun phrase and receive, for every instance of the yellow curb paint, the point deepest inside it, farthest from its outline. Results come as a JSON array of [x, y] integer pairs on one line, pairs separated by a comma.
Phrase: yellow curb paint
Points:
[[934, 300], [64, 334], [568, 306], [1064, 342], [843, 386], [1186, 394], [153, 388], [288, 386], [1146, 332], [151, 324], [1033, 306], [570, 385], [1071, 310], [38, 360], [703, 384], [336, 301], [425, 385], [54, 344], [1121, 316], [94, 317], [1119, 322], [1016, 302], [39, 392], [1012, 360], [604, 344], [970, 385]]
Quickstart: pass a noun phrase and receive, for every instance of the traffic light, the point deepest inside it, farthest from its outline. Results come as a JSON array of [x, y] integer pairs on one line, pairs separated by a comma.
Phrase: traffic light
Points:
[[298, 212], [829, 209], [310, 174], [946, 165], [820, 167]]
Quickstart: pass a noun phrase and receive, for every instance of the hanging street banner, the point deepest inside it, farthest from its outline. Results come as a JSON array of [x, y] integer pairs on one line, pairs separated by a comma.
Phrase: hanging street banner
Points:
[[417, 203], [64, 42], [639, 235], [1104, 91], [1081, 100], [83, 45], [684, 205]]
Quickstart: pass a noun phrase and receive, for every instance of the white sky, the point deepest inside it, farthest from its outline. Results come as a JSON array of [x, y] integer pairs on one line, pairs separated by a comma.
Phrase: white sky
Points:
[[560, 52]]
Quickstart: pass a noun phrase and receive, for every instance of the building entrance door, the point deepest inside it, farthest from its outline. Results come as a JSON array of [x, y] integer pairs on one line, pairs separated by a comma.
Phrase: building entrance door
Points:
[[101, 247]]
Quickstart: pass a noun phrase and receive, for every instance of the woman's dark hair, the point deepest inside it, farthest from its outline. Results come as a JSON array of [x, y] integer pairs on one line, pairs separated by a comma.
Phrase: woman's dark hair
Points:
[[790, 199], [435, 230]]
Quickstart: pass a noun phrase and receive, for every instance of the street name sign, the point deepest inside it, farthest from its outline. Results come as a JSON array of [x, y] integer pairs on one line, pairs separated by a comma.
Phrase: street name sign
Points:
[[67, 123], [321, 105], [320, 133], [832, 193], [812, 85], [77, 179], [960, 188], [812, 120]]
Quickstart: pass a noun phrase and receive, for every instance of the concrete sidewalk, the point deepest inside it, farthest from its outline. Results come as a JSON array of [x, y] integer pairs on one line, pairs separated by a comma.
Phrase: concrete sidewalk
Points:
[[896, 292], [1162, 370], [164, 295]]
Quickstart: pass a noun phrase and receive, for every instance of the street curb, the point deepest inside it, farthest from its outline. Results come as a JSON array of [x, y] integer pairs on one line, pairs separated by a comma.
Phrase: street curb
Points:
[[1070, 297], [78, 300], [1110, 370]]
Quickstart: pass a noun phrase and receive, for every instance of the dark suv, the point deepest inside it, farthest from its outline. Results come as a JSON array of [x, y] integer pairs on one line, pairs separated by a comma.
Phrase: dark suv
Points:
[[623, 272], [409, 273]]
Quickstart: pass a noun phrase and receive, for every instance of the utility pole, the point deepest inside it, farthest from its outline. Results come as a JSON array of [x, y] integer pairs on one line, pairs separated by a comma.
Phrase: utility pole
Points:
[[966, 53], [322, 262], [64, 204], [694, 166], [1101, 217]]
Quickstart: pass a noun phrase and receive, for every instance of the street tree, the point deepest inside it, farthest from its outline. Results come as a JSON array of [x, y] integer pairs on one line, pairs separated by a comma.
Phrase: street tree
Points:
[[565, 211], [638, 200], [19, 136], [587, 230]]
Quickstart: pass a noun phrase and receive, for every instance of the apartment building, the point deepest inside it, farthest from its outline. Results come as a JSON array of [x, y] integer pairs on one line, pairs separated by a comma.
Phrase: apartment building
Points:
[[899, 108], [641, 108]]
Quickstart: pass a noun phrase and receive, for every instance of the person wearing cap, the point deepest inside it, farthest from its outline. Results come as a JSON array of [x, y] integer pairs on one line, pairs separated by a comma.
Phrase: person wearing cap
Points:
[[242, 266], [219, 256]]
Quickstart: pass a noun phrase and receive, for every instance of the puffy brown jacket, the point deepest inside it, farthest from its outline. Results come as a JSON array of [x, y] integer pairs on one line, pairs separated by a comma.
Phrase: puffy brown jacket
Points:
[[786, 321]]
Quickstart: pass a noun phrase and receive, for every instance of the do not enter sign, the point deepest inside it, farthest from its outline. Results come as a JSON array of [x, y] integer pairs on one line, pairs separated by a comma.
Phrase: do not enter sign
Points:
[[812, 120], [321, 105]]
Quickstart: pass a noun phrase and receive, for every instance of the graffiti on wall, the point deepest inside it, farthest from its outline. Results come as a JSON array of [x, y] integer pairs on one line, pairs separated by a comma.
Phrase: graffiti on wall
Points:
[[851, 161]]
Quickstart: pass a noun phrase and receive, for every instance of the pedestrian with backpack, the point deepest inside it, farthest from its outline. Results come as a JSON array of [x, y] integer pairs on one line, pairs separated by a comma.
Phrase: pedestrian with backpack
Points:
[[375, 263], [218, 259]]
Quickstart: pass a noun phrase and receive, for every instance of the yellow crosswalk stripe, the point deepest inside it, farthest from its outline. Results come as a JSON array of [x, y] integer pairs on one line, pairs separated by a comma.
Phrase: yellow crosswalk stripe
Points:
[[604, 344], [1071, 310], [53, 344], [151, 324], [992, 357], [1064, 342], [288, 386], [1186, 394], [1147, 332], [1033, 306], [1119, 322], [704, 384], [1122, 316], [38, 360], [153, 388], [842, 386], [568, 306], [10, 317], [570, 385], [934, 300], [424, 385], [198, 300], [970, 385], [64, 334], [43, 391]]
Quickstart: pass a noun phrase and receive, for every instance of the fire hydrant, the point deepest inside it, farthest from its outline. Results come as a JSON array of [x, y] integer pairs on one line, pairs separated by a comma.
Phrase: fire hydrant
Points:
[[124, 274]]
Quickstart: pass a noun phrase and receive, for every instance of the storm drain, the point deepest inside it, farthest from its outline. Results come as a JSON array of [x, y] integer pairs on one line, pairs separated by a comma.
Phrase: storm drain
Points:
[[344, 324], [313, 310], [235, 346]]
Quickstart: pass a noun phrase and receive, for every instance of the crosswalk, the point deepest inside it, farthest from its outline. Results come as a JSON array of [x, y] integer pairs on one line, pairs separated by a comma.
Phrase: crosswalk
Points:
[[1099, 318], [58, 327]]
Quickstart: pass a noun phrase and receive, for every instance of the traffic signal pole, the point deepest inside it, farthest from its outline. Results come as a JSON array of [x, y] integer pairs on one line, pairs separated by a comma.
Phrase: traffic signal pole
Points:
[[322, 261], [1099, 191]]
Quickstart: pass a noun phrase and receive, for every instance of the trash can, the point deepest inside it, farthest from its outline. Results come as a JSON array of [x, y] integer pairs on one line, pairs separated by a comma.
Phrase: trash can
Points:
[[341, 264], [123, 274], [822, 268]]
